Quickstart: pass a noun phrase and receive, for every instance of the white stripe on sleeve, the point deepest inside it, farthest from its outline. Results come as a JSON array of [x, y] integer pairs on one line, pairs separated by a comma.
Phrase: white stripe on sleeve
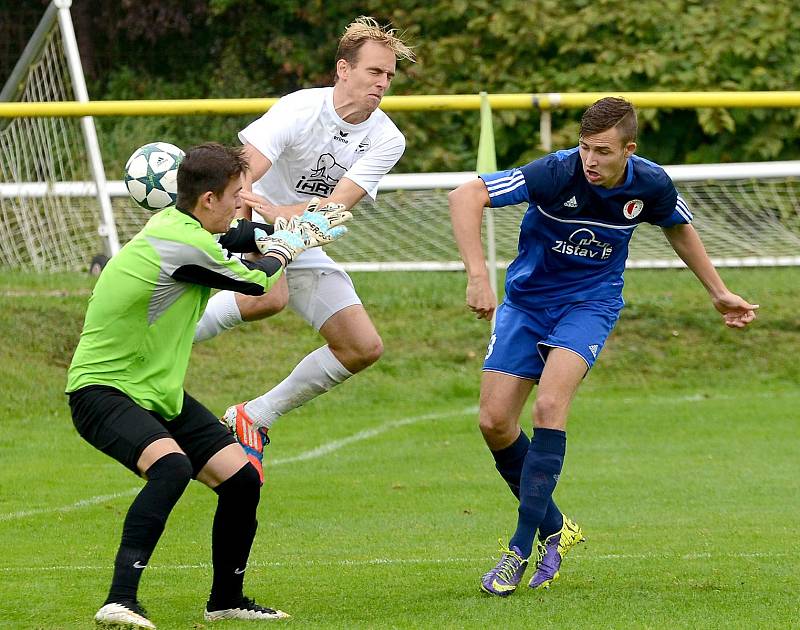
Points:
[[682, 208]]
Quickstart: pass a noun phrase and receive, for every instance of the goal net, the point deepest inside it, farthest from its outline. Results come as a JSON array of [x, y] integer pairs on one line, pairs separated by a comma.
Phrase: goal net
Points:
[[747, 215], [41, 227]]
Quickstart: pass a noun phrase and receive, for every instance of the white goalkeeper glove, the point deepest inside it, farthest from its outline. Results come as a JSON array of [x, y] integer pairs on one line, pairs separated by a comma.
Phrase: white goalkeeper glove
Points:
[[334, 213], [313, 228]]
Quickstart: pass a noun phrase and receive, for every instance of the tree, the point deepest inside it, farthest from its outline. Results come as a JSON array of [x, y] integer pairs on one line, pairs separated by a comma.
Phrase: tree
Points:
[[241, 48]]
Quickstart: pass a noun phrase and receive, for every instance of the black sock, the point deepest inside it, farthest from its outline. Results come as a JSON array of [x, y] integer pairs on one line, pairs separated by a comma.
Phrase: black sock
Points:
[[167, 478], [232, 535], [509, 461]]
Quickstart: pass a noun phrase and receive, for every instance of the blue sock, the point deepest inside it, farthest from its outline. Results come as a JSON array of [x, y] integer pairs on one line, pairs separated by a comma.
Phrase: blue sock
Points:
[[539, 477], [509, 461], [552, 522]]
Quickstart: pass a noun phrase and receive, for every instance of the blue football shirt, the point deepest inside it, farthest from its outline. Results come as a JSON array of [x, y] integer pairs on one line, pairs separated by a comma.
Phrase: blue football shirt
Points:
[[574, 236]]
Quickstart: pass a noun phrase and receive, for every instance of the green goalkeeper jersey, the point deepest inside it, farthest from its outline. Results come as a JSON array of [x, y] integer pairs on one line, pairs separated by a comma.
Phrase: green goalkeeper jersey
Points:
[[142, 314]]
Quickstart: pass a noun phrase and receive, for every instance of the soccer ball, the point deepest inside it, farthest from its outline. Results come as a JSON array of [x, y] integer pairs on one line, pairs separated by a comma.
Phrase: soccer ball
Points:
[[151, 175]]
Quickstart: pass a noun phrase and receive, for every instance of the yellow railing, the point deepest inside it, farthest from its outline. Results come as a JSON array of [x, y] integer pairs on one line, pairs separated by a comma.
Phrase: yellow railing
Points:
[[440, 102]]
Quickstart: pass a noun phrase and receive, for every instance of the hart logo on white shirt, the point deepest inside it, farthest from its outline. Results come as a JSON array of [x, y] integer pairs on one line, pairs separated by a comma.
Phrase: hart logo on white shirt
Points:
[[322, 179]]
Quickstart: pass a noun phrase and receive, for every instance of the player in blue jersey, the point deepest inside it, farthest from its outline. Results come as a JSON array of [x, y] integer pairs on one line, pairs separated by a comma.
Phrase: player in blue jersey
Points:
[[563, 295]]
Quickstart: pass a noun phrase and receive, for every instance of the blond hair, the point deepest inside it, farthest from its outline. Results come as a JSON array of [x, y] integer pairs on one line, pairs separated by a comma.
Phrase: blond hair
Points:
[[366, 29]]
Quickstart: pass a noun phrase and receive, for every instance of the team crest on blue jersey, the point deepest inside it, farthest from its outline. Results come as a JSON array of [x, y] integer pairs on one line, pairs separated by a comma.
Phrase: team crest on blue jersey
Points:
[[633, 208]]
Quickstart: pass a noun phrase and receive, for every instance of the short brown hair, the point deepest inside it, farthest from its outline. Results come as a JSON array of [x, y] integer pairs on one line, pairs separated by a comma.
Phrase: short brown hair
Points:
[[210, 166], [608, 113], [366, 29]]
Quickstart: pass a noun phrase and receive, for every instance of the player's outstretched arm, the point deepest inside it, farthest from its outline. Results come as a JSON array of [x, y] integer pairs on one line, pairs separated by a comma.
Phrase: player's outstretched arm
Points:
[[347, 193], [269, 211], [466, 215], [736, 311]]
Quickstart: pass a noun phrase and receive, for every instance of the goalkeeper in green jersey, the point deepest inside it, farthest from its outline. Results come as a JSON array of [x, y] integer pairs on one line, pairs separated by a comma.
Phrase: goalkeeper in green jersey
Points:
[[125, 383]]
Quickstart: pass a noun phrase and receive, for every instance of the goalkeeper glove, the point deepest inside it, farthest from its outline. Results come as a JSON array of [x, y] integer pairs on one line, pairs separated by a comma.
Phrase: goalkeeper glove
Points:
[[313, 228], [286, 244], [334, 213]]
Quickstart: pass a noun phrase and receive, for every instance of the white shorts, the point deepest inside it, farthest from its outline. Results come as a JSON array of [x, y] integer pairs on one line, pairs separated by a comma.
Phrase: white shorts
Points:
[[317, 294]]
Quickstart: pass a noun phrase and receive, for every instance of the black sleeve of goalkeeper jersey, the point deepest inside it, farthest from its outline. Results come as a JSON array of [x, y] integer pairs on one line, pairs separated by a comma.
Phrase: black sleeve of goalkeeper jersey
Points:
[[197, 274], [268, 264], [241, 237]]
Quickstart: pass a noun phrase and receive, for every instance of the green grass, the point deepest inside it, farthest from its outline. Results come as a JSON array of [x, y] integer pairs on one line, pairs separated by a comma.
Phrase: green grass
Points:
[[681, 468]]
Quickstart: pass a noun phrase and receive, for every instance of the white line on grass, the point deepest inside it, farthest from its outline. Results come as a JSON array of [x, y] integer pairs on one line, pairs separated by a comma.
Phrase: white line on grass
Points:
[[335, 445], [314, 453], [68, 508], [422, 561]]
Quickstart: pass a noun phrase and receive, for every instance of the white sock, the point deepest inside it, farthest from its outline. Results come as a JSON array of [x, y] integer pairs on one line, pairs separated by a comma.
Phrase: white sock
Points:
[[221, 313], [314, 375]]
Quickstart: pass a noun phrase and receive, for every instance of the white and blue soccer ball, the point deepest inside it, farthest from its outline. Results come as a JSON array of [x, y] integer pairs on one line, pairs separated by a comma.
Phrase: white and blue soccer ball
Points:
[[151, 175]]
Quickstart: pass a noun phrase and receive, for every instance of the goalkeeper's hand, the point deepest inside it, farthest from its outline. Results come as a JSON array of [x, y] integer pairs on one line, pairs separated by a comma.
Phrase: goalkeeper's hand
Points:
[[315, 227], [323, 225], [334, 213]]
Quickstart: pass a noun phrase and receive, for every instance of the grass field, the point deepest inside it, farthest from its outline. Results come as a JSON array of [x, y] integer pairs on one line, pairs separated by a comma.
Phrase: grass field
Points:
[[382, 507]]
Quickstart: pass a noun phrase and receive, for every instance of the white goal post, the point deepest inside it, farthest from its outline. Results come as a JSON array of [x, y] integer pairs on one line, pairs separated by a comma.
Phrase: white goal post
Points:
[[48, 231]]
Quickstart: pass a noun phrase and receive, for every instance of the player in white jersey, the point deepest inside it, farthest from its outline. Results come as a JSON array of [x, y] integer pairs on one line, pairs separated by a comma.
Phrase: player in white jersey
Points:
[[336, 144]]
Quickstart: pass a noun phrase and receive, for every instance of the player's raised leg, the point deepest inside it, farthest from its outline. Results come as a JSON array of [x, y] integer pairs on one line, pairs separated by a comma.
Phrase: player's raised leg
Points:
[[352, 338], [328, 302]]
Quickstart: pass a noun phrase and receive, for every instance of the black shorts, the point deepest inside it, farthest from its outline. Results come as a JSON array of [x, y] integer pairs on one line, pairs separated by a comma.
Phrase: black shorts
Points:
[[111, 422]]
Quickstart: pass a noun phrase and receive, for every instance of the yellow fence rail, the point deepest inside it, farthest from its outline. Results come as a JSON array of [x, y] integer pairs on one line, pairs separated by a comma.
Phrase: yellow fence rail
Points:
[[441, 102]]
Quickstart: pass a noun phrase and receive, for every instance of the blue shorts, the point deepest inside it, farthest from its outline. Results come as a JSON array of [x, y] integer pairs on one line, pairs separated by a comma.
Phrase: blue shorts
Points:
[[522, 339]]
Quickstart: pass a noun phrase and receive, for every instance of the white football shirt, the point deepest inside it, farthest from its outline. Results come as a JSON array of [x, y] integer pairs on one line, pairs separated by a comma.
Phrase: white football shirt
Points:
[[311, 148]]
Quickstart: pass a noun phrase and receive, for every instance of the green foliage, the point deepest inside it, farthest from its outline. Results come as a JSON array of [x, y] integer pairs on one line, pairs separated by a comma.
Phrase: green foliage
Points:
[[576, 46], [121, 135], [242, 48]]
